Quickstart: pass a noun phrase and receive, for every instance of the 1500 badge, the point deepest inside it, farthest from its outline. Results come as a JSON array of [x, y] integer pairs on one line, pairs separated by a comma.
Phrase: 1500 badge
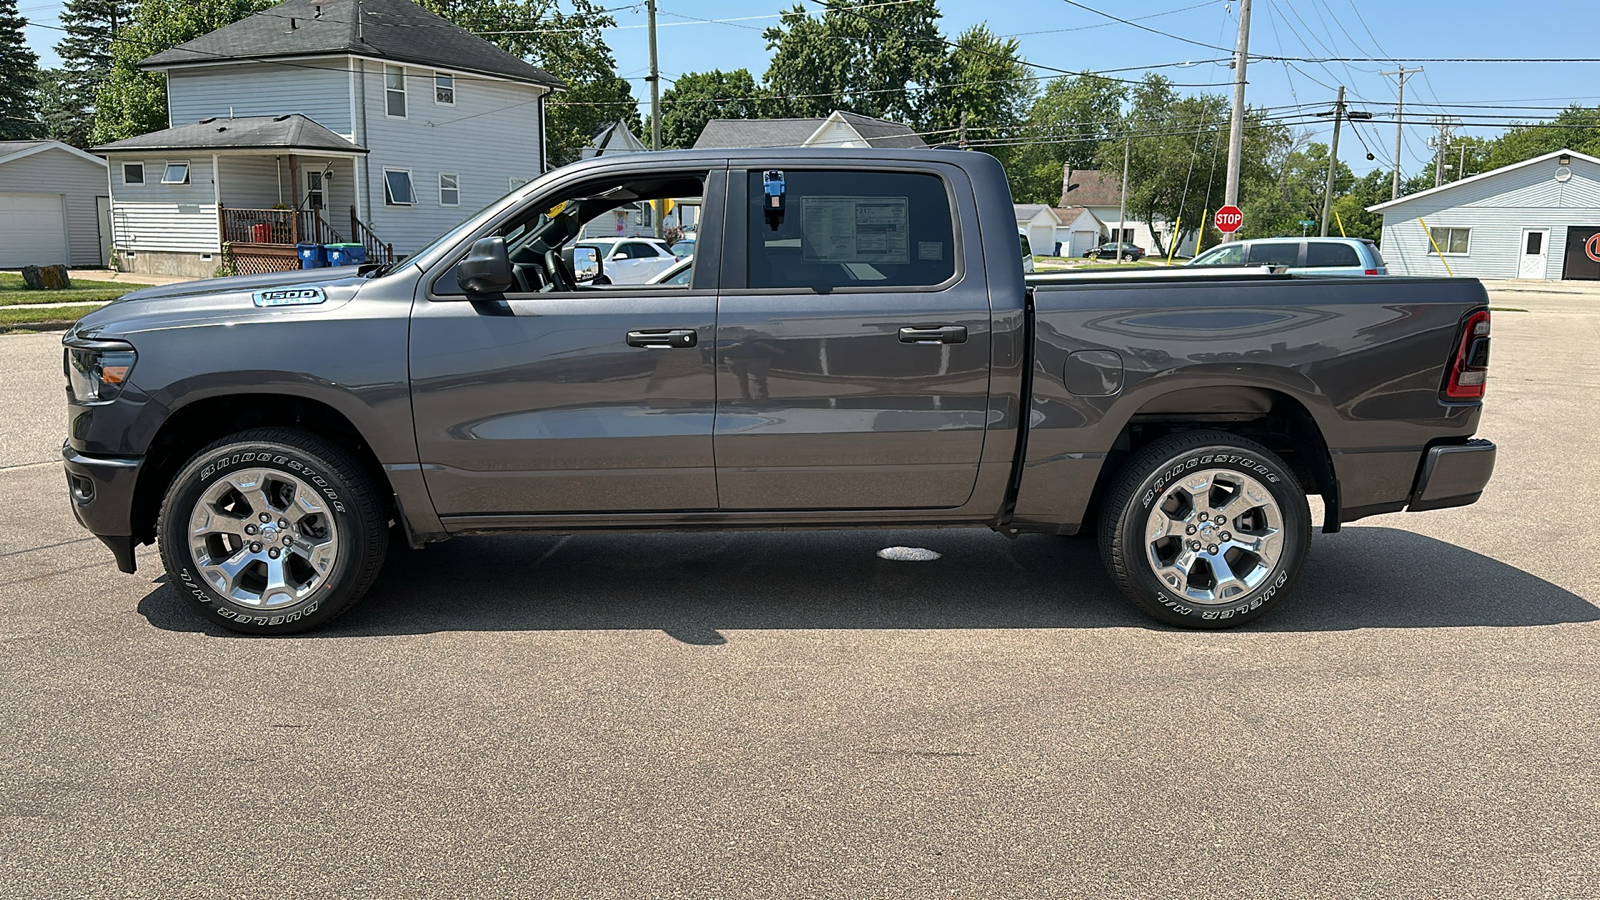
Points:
[[290, 297]]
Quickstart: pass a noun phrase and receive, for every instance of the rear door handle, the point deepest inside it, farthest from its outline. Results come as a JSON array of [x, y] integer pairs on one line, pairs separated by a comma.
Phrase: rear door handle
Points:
[[941, 334], [663, 338]]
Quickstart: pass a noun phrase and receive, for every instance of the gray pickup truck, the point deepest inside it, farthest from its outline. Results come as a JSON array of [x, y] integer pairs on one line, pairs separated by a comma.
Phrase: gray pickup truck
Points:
[[854, 345]]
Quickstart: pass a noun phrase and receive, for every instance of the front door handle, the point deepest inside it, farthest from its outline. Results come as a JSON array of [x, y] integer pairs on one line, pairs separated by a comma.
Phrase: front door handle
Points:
[[663, 338], [940, 334]]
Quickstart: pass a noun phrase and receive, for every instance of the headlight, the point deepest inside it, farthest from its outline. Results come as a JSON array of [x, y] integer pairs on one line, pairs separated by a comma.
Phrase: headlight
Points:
[[98, 371]]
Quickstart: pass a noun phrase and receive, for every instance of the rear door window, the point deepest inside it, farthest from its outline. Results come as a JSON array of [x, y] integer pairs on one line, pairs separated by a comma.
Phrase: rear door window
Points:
[[1274, 254], [1329, 254], [852, 229]]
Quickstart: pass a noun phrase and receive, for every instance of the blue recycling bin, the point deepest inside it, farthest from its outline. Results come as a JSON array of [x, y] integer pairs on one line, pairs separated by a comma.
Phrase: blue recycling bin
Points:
[[346, 254], [312, 256]]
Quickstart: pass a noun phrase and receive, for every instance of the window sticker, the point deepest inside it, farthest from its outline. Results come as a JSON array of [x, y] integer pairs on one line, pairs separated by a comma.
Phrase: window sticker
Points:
[[855, 229], [930, 250]]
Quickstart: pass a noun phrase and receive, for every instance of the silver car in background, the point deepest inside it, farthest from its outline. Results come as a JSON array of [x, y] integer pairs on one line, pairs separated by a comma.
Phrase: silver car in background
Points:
[[1301, 256]]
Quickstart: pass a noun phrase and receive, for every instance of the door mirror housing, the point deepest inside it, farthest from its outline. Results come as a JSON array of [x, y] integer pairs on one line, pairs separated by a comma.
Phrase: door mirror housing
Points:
[[486, 269], [585, 263]]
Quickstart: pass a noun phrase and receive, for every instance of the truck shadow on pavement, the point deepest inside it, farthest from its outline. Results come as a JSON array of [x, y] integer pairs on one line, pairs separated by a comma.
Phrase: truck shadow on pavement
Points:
[[696, 586]]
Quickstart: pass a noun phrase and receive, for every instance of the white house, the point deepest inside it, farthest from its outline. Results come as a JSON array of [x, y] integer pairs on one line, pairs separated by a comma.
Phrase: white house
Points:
[[1539, 218], [635, 220], [53, 206], [375, 122], [838, 129], [614, 138], [1101, 194]]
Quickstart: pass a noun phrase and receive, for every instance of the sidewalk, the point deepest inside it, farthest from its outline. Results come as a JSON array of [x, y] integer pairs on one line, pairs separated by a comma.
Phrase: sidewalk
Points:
[[124, 277], [1536, 286]]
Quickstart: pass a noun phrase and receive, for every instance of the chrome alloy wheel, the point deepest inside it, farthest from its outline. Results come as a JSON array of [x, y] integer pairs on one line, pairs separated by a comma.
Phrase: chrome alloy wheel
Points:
[[263, 538], [1214, 536]]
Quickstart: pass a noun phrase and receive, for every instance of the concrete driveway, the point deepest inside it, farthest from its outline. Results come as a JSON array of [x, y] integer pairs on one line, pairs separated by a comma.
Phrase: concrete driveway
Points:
[[787, 715]]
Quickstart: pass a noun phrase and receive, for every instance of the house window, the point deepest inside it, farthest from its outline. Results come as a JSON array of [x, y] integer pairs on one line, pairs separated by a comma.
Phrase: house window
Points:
[[394, 89], [133, 173], [1453, 241], [314, 197], [444, 89], [176, 173], [449, 190], [397, 187]]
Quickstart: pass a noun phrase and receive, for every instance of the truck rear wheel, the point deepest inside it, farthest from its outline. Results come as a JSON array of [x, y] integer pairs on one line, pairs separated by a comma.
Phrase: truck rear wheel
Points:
[[1205, 530], [272, 531]]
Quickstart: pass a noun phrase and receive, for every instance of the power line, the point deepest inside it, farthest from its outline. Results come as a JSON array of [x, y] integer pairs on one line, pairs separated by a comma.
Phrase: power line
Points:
[[1108, 24], [1135, 24]]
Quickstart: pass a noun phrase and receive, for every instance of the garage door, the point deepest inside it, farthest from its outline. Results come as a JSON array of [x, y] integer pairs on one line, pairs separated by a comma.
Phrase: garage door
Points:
[[32, 232]]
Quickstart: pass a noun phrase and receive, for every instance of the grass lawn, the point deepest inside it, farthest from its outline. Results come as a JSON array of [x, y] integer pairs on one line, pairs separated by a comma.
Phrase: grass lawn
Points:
[[13, 291], [42, 319]]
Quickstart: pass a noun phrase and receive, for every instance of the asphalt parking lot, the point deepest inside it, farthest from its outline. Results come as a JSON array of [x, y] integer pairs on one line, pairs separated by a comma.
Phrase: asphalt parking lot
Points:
[[787, 715]]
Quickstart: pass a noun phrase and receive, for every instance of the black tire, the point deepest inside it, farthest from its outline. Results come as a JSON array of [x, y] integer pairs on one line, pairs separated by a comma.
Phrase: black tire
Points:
[[348, 499], [1154, 474]]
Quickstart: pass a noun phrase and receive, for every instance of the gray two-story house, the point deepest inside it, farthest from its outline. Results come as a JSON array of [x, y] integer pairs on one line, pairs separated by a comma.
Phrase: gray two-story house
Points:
[[320, 121]]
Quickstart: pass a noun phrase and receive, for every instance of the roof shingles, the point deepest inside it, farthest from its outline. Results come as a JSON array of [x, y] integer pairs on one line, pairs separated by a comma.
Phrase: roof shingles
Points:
[[294, 132], [397, 30]]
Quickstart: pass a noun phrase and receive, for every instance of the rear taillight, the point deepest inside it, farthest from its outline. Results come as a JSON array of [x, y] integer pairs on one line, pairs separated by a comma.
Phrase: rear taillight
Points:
[[1370, 272], [1470, 368]]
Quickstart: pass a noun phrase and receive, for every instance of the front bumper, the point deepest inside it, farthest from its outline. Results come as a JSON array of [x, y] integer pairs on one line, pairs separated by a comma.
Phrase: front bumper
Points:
[[1453, 475], [100, 489]]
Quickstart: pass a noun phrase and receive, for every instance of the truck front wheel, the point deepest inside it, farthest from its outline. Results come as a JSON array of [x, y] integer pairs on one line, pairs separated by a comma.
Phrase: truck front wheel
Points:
[[1205, 530], [272, 531]]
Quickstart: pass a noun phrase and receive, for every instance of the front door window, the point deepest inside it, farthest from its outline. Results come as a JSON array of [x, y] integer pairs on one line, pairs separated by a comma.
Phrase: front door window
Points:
[[314, 197]]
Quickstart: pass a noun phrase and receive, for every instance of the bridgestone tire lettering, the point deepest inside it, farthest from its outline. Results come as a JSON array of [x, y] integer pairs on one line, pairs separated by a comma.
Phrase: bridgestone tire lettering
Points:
[[343, 483], [1148, 475]]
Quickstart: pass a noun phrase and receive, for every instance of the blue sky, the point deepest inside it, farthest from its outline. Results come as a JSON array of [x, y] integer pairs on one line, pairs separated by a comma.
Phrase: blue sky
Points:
[[1056, 34]]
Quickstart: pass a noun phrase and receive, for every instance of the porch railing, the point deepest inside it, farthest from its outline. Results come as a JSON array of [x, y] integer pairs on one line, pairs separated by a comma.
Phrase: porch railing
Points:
[[288, 227], [280, 227], [377, 251]]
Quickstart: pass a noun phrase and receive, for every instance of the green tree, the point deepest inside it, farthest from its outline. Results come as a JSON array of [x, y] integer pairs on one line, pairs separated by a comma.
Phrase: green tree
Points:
[[875, 60], [1293, 191], [1575, 128], [696, 98], [985, 88], [92, 28], [61, 108], [19, 78], [1177, 151], [575, 117], [1350, 208], [132, 101], [1065, 125]]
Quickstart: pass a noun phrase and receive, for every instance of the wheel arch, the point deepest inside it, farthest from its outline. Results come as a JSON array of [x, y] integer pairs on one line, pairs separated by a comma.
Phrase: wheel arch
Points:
[[206, 419], [1269, 415]]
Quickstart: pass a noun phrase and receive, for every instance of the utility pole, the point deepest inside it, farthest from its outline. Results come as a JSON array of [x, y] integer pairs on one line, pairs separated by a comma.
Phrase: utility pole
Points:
[[1461, 170], [1399, 120], [655, 108], [1441, 147], [1241, 54], [1122, 214], [1333, 162], [961, 140], [1338, 112]]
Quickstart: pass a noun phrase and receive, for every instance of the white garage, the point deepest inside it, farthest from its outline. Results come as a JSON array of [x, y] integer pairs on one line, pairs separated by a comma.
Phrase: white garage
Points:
[[52, 198], [33, 230]]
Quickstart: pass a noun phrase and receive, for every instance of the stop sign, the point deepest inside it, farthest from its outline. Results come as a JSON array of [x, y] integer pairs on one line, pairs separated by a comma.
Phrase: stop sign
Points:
[[1228, 219]]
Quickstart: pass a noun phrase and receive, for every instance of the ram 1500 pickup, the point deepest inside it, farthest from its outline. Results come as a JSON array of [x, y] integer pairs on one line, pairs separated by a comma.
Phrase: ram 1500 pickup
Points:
[[854, 345]]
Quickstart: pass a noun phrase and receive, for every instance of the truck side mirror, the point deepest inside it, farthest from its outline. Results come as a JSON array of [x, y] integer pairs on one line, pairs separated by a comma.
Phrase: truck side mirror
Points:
[[486, 268], [585, 264]]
